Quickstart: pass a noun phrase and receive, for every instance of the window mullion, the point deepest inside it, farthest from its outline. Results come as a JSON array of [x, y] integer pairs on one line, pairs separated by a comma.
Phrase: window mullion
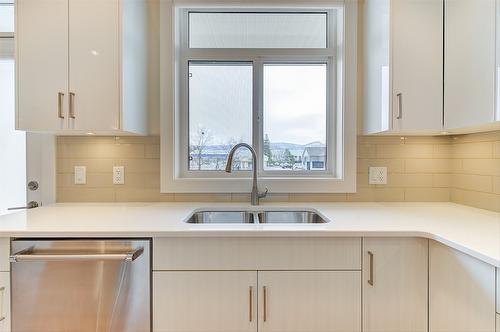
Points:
[[257, 112]]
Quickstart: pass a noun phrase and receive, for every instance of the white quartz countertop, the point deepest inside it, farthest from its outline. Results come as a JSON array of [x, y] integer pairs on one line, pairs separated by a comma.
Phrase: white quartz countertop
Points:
[[470, 230]]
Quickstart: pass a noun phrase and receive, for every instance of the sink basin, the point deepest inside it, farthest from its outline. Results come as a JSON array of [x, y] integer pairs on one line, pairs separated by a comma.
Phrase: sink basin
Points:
[[221, 217], [290, 217], [302, 216]]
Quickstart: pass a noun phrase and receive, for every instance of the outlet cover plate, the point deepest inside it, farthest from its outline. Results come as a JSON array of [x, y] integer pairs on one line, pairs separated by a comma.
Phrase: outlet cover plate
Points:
[[80, 175], [118, 175], [377, 175]]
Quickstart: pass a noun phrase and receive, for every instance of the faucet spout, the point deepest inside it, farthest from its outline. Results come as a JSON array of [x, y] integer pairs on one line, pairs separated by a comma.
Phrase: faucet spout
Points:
[[256, 195]]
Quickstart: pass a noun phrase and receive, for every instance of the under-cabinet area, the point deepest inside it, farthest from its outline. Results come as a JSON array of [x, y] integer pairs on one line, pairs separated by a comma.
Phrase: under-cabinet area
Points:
[[319, 284]]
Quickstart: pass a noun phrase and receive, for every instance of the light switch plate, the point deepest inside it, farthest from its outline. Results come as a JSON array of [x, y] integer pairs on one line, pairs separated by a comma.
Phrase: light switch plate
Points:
[[377, 175], [118, 175], [80, 175]]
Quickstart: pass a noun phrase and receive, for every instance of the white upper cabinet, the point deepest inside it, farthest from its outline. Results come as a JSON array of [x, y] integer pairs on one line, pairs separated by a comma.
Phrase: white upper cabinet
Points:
[[42, 64], [94, 78], [82, 66], [403, 66], [497, 110], [469, 82]]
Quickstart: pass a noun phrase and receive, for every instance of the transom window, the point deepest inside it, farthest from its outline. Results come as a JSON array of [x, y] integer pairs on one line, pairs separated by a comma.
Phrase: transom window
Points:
[[269, 77]]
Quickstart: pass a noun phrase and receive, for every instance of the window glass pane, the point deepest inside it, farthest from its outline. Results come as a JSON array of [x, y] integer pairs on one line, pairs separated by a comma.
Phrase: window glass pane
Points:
[[220, 114], [6, 18], [295, 117], [257, 30], [7, 48]]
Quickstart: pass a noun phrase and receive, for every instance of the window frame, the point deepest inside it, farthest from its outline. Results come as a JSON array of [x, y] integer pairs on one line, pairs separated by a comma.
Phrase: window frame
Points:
[[176, 176]]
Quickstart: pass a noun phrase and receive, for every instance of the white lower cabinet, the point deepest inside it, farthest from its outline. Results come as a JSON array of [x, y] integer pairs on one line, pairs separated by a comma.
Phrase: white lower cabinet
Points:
[[395, 284], [498, 323], [204, 301], [4, 301], [234, 301], [461, 292], [312, 301]]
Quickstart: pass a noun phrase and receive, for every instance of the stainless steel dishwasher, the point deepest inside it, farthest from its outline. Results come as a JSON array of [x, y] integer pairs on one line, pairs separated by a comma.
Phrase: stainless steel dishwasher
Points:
[[81, 285]]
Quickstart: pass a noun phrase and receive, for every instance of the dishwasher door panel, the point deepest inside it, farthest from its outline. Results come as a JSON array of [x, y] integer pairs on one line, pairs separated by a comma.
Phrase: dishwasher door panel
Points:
[[79, 285]]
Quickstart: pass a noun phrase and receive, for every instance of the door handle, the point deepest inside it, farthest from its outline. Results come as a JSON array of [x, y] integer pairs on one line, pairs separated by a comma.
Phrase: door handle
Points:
[[72, 105], [60, 97], [264, 306], [28, 256], [400, 106], [370, 280], [31, 205], [2, 290], [250, 303]]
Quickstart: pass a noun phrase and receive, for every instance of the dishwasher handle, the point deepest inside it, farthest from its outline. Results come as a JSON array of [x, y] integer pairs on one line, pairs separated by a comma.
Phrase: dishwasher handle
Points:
[[28, 256]]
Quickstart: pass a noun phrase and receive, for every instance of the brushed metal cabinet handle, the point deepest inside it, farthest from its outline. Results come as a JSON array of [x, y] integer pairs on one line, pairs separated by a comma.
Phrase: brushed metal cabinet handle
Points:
[[28, 256], [264, 307], [400, 106], [60, 97], [370, 280], [2, 316], [250, 303], [72, 105]]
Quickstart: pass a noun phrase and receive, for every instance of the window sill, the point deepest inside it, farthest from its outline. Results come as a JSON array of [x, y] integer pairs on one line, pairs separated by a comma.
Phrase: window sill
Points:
[[275, 185]]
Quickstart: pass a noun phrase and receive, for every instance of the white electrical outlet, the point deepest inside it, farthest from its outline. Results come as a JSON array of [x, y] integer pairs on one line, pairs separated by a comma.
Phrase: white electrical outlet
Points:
[[377, 175], [118, 175], [80, 175]]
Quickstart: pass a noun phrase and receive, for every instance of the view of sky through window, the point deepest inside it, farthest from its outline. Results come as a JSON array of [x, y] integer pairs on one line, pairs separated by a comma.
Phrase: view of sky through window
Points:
[[220, 113], [294, 115]]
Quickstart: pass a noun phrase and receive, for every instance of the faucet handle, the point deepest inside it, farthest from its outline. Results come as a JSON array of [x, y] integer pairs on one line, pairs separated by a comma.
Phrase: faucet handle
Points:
[[263, 194]]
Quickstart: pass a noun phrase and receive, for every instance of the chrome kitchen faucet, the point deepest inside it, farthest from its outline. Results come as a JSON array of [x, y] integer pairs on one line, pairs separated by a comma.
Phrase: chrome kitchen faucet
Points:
[[256, 195]]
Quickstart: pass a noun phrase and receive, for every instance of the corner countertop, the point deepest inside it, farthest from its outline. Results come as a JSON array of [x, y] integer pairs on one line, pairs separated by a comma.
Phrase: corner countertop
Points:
[[470, 230]]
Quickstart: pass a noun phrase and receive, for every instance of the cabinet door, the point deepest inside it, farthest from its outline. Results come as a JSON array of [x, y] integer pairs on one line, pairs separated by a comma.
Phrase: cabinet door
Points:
[[4, 301], [417, 64], [94, 64], [204, 301], [312, 301], [469, 85], [42, 64], [461, 292], [497, 110], [395, 285]]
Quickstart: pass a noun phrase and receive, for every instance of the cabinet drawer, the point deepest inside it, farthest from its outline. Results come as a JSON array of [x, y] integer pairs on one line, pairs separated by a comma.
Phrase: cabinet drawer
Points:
[[257, 253]]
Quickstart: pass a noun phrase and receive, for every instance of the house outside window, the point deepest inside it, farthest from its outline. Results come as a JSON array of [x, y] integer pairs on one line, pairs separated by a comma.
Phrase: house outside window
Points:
[[270, 77]]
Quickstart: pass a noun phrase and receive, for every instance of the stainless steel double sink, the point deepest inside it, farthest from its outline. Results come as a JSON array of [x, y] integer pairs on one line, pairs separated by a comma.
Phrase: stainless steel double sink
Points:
[[267, 216]]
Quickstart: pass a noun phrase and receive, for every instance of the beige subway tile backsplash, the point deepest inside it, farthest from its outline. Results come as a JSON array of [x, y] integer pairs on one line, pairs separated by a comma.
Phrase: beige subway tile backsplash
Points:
[[464, 169]]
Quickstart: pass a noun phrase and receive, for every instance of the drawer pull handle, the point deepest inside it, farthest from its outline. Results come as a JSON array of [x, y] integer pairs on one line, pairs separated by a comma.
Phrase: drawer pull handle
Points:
[[2, 316], [60, 97], [264, 307], [72, 105], [250, 303], [400, 106], [370, 280]]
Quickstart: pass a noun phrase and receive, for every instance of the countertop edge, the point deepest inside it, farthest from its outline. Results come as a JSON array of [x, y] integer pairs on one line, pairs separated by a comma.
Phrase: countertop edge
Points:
[[256, 233]]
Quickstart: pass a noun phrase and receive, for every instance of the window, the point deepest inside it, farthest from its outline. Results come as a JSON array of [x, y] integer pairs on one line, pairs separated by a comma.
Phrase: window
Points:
[[269, 77], [220, 113], [257, 30]]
